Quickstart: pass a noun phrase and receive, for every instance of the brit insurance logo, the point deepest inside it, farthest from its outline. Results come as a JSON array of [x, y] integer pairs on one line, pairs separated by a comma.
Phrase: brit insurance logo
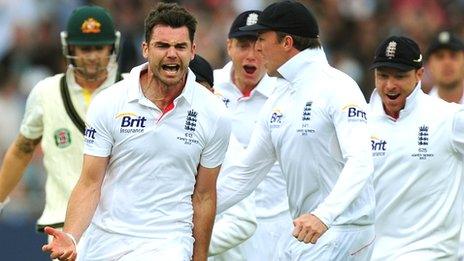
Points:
[[131, 123], [276, 119], [378, 147], [89, 135], [62, 138], [355, 113], [190, 127], [422, 143]]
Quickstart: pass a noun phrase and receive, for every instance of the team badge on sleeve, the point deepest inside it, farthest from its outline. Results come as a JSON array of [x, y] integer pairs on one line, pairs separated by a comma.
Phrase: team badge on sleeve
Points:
[[62, 138], [89, 135]]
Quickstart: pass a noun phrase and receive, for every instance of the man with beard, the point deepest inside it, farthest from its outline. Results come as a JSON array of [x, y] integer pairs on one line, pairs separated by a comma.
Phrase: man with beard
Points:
[[154, 146], [244, 87], [56, 107], [445, 60]]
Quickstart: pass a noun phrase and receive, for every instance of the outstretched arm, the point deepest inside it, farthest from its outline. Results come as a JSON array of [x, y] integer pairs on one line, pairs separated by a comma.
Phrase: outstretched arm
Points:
[[81, 207]]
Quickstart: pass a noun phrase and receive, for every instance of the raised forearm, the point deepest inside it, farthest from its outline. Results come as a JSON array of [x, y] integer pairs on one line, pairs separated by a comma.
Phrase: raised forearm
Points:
[[16, 159]]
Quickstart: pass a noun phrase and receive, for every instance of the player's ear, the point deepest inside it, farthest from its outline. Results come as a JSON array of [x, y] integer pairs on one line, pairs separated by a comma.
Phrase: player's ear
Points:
[[145, 50]]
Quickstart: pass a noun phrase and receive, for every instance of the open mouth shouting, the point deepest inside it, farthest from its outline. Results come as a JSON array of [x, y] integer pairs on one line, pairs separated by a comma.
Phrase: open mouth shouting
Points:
[[250, 69], [392, 96], [170, 69]]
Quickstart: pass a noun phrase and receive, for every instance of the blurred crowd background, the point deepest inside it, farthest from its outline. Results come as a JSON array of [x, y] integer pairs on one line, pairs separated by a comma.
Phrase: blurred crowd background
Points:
[[30, 50]]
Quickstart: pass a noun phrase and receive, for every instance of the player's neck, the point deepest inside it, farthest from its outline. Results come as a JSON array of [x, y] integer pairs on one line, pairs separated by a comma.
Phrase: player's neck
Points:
[[451, 94], [244, 88], [157, 92]]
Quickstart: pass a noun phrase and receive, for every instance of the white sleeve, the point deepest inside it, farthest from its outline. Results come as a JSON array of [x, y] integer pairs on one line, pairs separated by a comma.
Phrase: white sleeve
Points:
[[215, 150], [233, 226], [237, 223], [98, 139], [350, 121], [246, 171], [32, 123], [458, 132]]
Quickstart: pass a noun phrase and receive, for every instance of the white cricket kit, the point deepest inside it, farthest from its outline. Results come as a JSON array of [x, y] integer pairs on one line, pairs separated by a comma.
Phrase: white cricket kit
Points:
[[418, 172], [154, 156], [271, 201], [434, 92], [235, 225], [316, 127], [62, 143]]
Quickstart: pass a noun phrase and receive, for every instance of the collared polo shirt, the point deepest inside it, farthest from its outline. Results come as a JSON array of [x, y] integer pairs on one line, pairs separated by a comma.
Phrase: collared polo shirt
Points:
[[153, 155]]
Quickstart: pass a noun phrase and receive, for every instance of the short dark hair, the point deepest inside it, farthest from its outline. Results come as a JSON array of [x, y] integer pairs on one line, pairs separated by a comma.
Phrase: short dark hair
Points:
[[170, 14], [299, 42]]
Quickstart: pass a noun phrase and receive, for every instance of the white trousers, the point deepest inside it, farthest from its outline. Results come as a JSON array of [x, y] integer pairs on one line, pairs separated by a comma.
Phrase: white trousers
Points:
[[339, 243], [99, 245]]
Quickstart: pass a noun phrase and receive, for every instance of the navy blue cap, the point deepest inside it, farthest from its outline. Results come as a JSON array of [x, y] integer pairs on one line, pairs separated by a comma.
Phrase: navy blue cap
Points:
[[398, 52], [244, 19], [445, 40], [288, 17]]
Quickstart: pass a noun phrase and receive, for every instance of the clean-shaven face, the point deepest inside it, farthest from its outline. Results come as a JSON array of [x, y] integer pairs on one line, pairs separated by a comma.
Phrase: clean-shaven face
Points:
[[271, 50], [248, 67], [394, 86]]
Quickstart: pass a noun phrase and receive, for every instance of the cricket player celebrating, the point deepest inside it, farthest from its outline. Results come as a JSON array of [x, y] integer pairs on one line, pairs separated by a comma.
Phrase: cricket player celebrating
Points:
[[155, 142], [315, 126], [418, 148]]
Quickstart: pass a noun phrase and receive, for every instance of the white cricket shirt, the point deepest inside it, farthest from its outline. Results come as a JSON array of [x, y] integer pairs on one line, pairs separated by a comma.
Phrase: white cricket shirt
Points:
[[316, 127], [154, 156], [271, 194], [418, 168], [434, 92]]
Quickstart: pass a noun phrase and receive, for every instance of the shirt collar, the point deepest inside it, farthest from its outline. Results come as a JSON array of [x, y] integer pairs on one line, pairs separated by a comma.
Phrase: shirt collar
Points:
[[291, 70], [411, 101], [434, 92], [135, 89]]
